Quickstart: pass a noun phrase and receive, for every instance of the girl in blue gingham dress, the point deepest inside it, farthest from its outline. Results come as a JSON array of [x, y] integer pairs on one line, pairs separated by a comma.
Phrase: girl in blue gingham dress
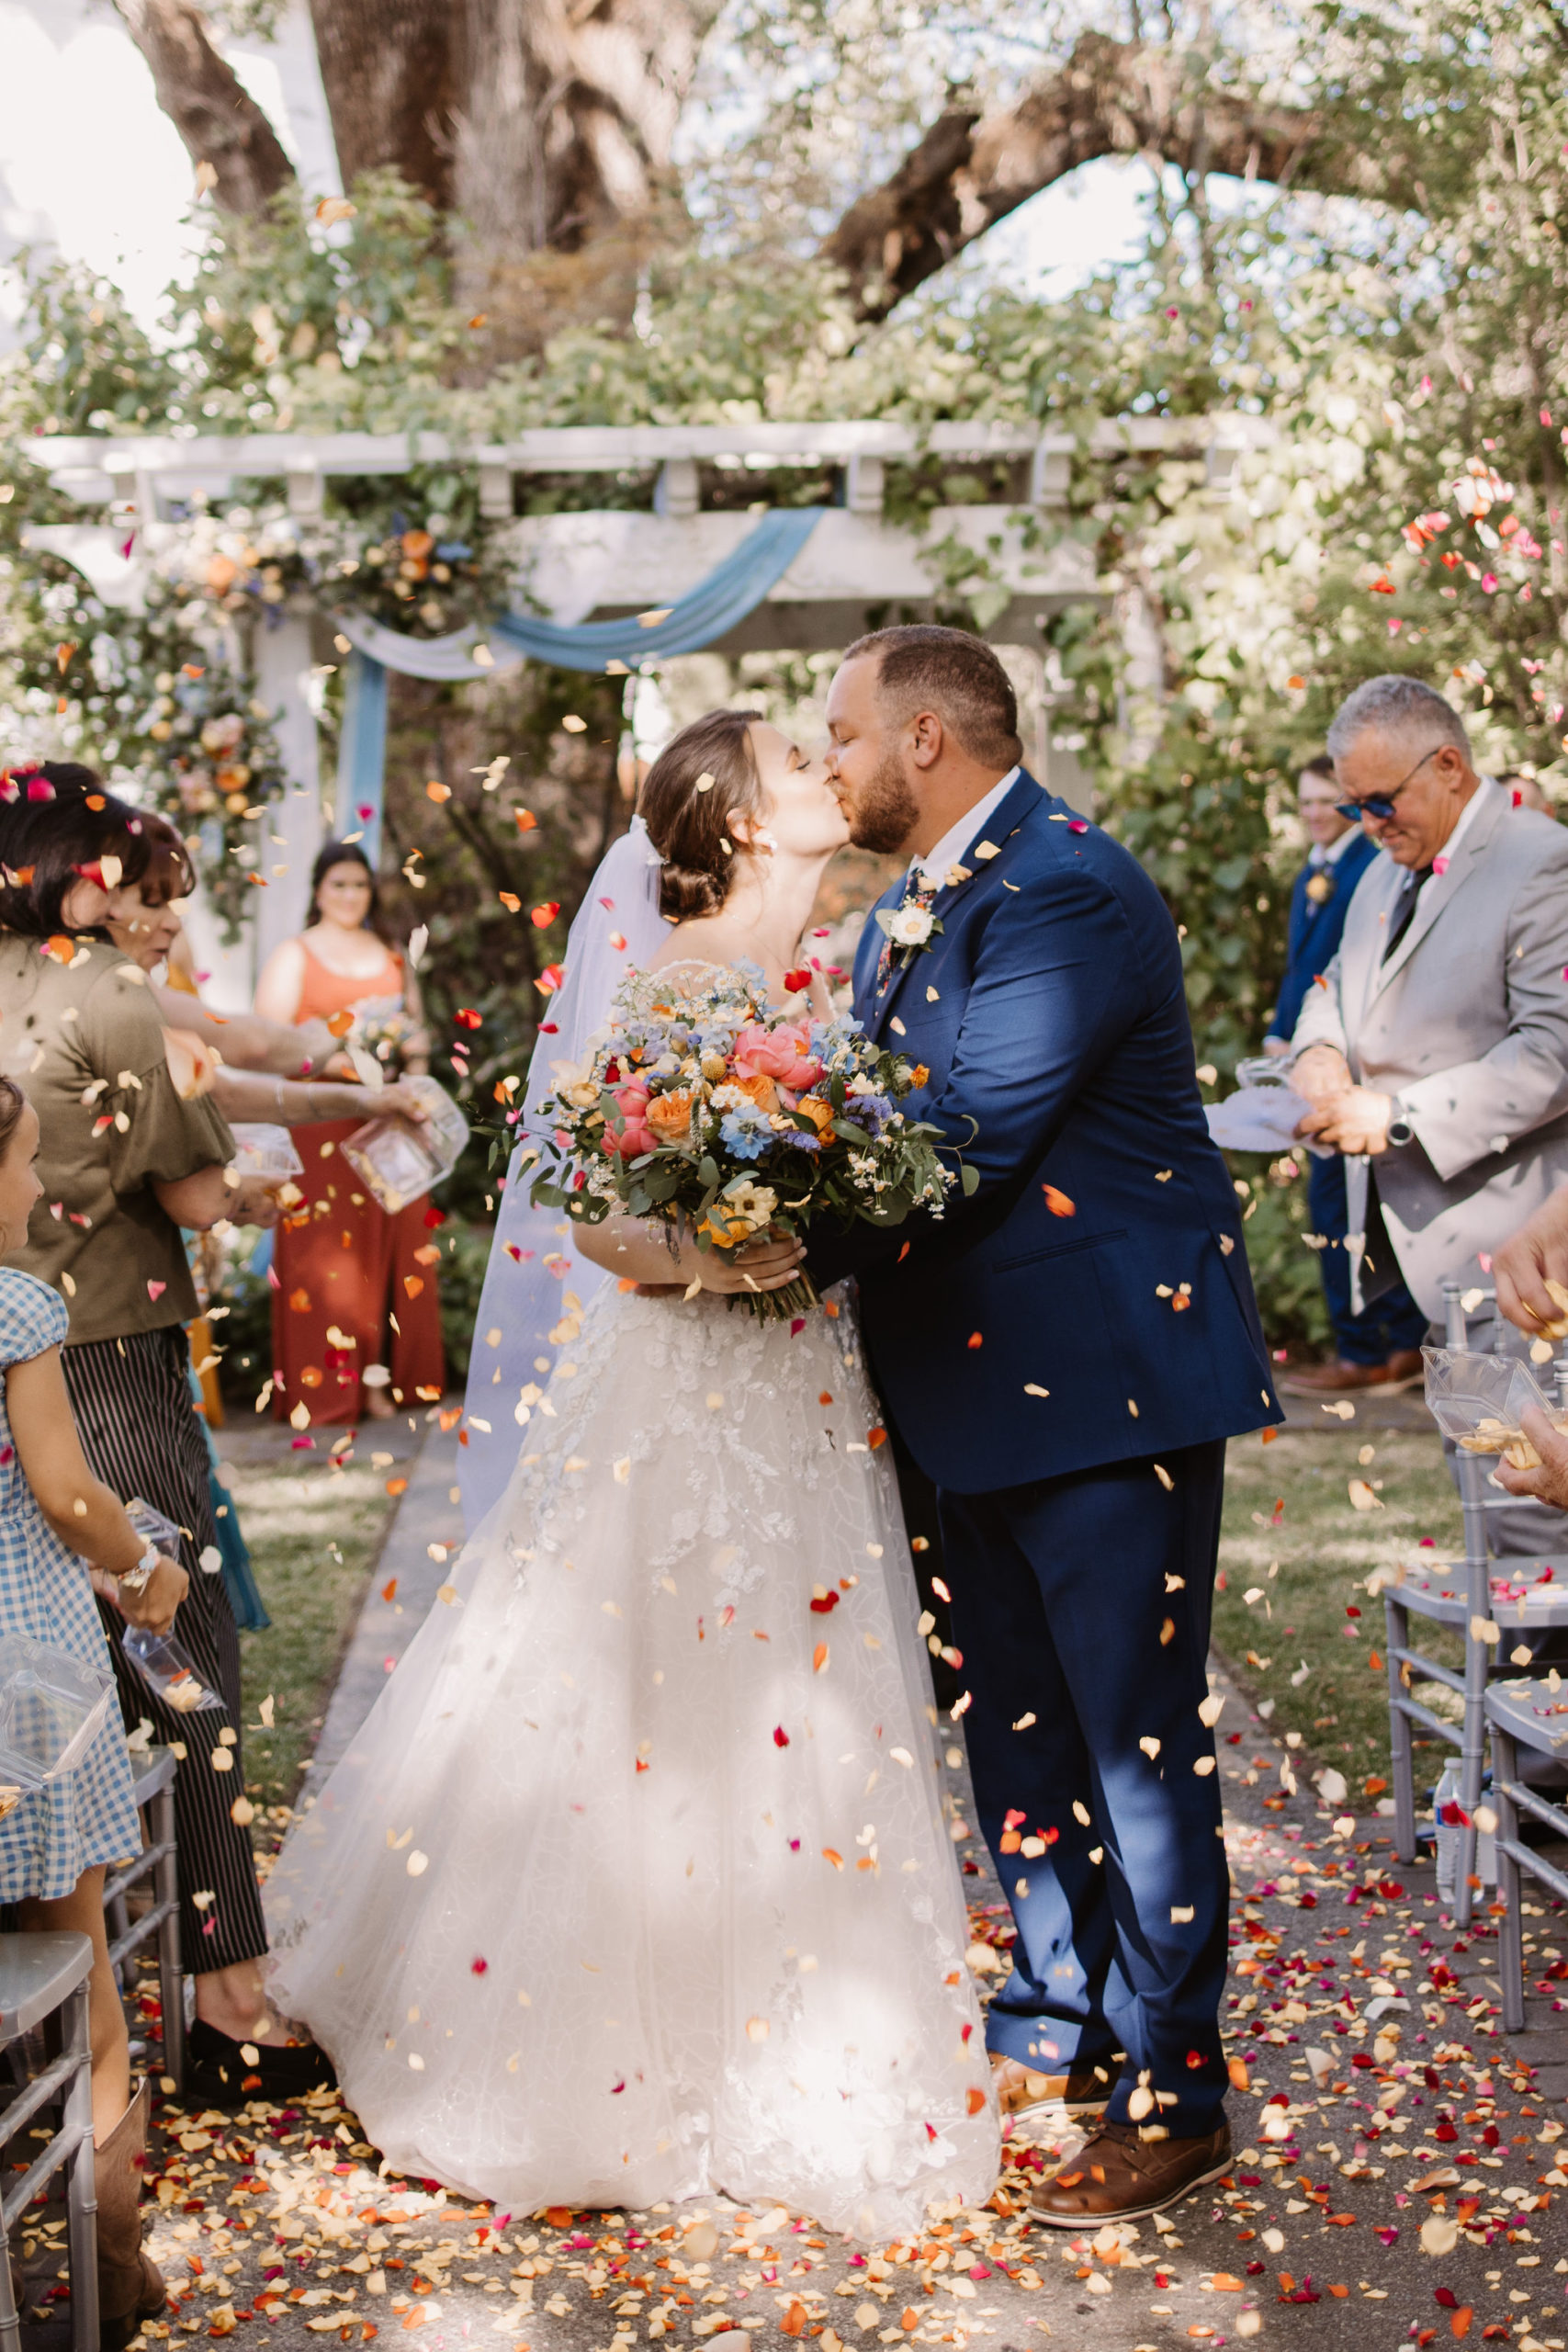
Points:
[[89, 1815], [61, 1531]]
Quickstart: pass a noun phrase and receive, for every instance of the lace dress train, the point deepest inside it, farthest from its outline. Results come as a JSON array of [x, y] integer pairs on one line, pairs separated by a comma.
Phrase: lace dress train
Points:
[[635, 1882]]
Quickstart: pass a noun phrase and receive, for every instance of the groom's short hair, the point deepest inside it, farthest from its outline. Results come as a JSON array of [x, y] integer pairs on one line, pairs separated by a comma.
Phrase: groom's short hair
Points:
[[923, 667]]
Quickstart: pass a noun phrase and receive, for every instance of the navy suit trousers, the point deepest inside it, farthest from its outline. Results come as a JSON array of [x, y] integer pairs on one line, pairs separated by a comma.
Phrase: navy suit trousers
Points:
[[1081, 1604]]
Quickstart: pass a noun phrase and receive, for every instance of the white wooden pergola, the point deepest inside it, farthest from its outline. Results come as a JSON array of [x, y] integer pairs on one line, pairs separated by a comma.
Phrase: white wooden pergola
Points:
[[857, 570]]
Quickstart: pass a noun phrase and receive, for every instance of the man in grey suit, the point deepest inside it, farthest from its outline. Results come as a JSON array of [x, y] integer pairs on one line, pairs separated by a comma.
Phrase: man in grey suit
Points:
[[1436, 1053]]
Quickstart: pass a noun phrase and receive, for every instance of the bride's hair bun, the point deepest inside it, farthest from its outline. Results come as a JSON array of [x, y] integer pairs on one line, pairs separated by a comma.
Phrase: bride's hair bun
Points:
[[703, 776]]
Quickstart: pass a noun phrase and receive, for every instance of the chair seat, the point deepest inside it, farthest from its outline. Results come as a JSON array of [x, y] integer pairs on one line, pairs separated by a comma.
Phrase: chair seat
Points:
[[1529, 1593], [37, 1973], [152, 1768], [1531, 1713]]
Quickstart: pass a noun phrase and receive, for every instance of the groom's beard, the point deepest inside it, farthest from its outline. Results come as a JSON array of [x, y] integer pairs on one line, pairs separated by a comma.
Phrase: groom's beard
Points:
[[887, 810]]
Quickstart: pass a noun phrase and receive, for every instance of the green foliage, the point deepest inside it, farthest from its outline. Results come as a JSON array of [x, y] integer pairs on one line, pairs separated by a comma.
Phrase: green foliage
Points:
[[1285, 1271], [1197, 819], [87, 363], [245, 1335], [449, 858], [291, 324]]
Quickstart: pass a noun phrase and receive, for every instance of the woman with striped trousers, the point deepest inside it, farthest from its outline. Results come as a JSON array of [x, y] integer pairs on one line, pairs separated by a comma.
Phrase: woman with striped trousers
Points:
[[125, 1162]]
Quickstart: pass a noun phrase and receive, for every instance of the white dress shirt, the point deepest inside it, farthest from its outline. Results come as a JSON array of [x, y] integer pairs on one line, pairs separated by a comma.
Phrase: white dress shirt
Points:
[[1319, 857], [938, 861]]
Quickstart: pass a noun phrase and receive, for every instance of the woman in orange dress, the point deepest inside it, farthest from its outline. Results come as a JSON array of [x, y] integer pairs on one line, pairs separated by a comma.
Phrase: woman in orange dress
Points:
[[345, 1269]]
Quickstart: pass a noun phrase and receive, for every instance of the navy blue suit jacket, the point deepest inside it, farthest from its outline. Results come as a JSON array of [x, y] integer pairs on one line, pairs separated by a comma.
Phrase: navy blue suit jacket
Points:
[[1313, 940], [1050, 1011]]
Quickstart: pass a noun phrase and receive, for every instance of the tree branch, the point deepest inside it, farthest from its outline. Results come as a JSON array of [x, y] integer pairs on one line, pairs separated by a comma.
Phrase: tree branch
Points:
[[1109, 98], [209, 106]]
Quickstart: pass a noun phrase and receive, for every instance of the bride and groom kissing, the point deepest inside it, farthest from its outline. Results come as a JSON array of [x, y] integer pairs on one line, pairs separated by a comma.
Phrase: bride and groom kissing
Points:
[[634, 1884]]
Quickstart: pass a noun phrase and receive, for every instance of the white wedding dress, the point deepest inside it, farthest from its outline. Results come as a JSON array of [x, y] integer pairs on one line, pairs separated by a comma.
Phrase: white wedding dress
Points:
[[635, 1883]]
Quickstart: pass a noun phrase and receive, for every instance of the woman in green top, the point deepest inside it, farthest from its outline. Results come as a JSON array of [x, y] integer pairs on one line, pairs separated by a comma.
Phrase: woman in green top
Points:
[[125, 1163]]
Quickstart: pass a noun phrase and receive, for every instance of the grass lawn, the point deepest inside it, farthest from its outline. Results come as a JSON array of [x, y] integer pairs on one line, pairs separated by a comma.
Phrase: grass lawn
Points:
[[313, 1533], [1292, 1537]]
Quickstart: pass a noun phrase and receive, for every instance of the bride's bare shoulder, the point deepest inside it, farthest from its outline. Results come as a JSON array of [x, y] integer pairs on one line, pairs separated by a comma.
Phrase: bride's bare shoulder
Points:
[[689, 944]]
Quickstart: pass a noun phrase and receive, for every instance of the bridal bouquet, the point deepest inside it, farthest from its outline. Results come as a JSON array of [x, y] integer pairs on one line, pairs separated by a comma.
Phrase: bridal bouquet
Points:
[[713, 1112]]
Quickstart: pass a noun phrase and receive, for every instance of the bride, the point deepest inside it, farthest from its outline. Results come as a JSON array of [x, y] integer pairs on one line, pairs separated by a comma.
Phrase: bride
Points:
[[635, 1883]]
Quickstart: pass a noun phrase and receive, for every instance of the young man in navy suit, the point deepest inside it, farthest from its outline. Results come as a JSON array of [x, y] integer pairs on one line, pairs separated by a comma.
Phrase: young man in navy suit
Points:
[[1382, 1343], [1064, 1353]]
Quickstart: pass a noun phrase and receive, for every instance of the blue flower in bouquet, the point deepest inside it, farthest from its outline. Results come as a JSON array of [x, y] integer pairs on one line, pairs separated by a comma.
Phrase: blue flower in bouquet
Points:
[[801, 1140], [830, 1037], [872, 1111], [748, 1133]]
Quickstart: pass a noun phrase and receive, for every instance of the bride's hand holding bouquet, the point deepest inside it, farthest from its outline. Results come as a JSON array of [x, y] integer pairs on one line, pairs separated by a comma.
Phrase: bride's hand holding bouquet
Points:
[[708, 1110]]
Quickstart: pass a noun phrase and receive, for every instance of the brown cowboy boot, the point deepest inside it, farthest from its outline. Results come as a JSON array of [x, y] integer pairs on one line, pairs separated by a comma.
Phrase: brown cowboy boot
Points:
[[131, 2288], [1120, 2176]]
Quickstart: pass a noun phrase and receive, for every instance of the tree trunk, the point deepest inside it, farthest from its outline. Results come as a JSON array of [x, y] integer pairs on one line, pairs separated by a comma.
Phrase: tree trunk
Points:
[[387, 70], [566, 118], [220, 123], [1109, 98]]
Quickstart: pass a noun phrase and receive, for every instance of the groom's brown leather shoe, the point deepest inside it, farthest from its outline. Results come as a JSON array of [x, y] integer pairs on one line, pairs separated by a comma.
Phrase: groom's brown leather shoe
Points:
[[1019, 2087], [1118, 2177]]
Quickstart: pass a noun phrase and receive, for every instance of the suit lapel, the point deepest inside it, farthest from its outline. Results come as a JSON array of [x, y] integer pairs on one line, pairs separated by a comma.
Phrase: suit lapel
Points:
[[868, 956], [1361, 946], [1020, 803], [1441, 890]]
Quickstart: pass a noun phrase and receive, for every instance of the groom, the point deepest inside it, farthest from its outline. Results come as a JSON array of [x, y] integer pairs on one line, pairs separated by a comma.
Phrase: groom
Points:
[[1064, 1354]]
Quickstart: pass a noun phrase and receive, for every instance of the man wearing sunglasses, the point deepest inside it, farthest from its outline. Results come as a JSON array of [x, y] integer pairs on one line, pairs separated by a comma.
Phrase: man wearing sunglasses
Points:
[[1435, 1054], [1381, 1346]]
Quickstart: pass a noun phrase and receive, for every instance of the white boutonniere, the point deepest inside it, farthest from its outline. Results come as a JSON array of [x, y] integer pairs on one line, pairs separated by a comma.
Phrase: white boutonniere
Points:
[[909, 928]]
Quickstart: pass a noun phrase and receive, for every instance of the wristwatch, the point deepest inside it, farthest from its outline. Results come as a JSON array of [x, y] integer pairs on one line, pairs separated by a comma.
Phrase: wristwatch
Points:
[[136, 1577]]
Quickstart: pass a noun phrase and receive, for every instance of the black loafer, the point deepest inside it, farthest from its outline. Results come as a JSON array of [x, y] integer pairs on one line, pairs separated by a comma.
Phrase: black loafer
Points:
[[226, 2076]]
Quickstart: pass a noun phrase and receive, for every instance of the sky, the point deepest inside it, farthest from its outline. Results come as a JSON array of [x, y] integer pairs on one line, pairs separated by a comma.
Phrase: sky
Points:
[[91, 166]]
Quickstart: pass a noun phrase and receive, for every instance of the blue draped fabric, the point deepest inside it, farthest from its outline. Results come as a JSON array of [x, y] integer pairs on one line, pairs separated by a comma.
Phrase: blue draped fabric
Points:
[[361, 752], [734, 588]]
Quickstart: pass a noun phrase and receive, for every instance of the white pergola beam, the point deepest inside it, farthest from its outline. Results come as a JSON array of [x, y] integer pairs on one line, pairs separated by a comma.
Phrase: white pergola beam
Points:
[[91, 467]]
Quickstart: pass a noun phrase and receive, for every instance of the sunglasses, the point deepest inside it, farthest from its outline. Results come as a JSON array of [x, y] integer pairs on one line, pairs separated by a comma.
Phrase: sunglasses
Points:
[[1379, 806]]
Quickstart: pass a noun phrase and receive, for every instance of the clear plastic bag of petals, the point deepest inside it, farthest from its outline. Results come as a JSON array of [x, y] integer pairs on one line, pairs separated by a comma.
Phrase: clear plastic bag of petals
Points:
[[51, 1706], [1479, 1401], [168, 1668], [400, 1164]]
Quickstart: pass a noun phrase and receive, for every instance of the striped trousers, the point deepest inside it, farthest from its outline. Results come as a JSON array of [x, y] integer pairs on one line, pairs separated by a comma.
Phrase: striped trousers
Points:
[[141, 1434]]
